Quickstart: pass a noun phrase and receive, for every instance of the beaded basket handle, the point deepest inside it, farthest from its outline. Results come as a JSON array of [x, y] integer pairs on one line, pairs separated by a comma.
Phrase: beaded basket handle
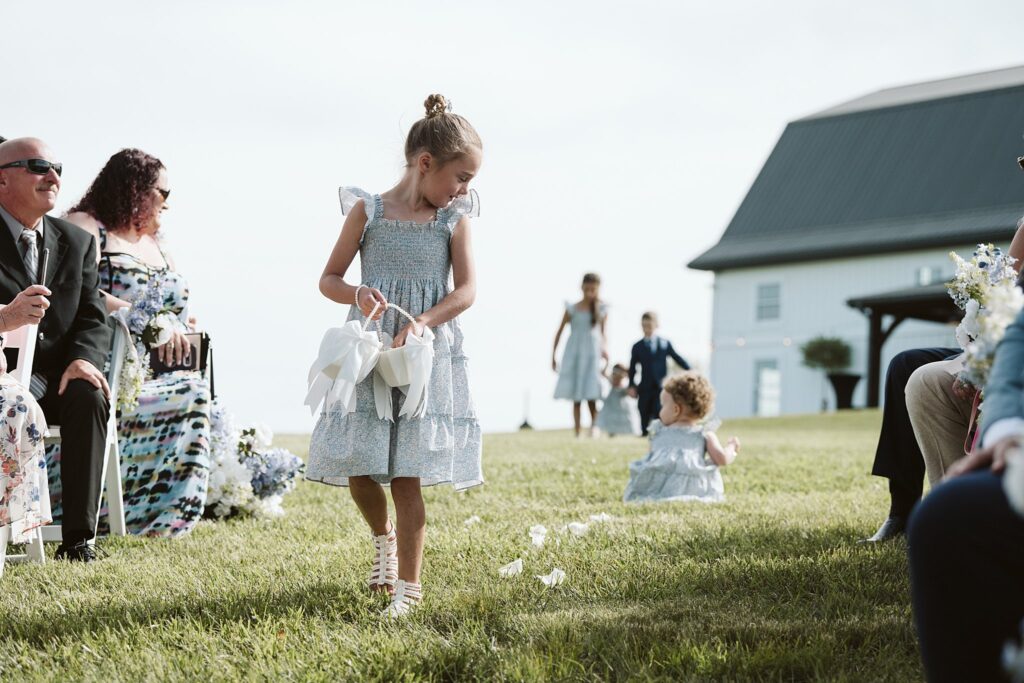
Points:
[[376, 307]]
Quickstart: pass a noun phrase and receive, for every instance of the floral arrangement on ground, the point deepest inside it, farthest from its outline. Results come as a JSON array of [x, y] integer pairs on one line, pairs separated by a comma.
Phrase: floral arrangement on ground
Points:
[[248, 478]]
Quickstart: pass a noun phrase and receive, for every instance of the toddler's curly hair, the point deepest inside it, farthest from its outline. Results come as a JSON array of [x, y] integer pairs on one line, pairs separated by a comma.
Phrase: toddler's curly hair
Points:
[[692, 391]]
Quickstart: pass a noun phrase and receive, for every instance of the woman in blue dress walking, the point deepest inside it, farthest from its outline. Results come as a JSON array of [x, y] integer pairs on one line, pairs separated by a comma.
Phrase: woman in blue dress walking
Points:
[[579, 378]]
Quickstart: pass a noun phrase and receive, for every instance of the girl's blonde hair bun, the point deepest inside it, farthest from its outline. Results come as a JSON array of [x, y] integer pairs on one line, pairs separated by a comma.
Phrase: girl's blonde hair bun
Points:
[[435, 105], [444, 134]]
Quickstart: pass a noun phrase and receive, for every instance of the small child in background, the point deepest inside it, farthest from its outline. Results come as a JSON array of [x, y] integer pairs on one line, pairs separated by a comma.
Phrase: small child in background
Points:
[[651, 354], [676, 467], [618, 414]]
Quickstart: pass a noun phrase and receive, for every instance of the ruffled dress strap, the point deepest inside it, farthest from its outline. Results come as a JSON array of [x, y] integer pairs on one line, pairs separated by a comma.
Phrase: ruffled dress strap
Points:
[[372, 204], [467, 205], [710, 424], [348, 196]]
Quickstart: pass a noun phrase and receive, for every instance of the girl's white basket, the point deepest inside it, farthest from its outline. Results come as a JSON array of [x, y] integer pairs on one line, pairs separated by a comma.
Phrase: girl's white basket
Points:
[[347, 356], [407, 368], [393, 366]]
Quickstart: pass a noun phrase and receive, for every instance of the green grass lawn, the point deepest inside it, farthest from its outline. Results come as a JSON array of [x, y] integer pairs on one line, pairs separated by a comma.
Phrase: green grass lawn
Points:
[[767, 586]]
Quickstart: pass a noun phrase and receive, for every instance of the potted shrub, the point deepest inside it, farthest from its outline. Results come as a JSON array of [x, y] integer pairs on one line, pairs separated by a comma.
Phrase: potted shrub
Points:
[[832, 355]]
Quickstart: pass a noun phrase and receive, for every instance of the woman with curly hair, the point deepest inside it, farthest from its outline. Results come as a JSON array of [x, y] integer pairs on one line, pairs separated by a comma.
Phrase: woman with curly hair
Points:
[[165, 439]]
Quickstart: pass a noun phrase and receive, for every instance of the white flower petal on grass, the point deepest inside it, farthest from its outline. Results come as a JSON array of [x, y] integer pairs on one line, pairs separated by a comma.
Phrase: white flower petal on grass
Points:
[[475, 519], [537, 534], [578, 528], [556, 577], [601, 517], [512, 568]]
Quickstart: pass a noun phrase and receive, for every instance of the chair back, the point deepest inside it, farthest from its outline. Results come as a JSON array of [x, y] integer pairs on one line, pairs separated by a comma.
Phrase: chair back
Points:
[[23, 341], [117, 348]]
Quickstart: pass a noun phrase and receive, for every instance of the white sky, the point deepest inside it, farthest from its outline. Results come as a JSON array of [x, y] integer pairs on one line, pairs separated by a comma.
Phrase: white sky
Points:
[[619, 138]]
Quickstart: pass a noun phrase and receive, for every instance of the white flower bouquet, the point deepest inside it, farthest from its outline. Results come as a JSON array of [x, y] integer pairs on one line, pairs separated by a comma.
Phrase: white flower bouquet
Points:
[[985, 288]]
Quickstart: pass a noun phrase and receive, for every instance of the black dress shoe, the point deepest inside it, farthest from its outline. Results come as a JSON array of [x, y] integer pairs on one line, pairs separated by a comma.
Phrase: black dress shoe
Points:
[[892, 527], [78, 551]]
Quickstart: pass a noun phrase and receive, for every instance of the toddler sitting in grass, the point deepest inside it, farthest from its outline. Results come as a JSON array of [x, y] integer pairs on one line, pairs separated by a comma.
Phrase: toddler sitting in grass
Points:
[[682, 443]]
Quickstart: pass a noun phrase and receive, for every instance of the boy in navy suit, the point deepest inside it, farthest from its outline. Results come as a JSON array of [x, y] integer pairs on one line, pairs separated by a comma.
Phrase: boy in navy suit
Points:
[[651, 354]]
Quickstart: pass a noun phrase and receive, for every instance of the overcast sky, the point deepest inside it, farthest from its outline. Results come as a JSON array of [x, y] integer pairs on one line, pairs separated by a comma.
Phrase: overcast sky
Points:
[[619, 138]]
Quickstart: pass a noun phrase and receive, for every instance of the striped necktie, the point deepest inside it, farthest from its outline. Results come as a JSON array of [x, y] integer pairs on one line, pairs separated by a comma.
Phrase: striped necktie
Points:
[[30, 253]]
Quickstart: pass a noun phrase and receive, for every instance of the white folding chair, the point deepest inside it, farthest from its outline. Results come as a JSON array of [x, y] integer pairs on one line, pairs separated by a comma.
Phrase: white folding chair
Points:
[[24, 339], [23, 342]]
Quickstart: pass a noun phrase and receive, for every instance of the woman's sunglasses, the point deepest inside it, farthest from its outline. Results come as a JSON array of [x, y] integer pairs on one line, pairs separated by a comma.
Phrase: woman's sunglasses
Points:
[[36, 166], [163, 193]]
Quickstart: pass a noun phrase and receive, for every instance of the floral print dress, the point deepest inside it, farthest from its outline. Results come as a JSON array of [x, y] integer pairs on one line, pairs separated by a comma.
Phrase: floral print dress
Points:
[[165, 439], [24, 504]]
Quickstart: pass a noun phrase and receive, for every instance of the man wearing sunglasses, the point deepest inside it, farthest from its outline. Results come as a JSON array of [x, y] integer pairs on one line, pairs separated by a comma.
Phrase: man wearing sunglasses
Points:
[[48, 277]]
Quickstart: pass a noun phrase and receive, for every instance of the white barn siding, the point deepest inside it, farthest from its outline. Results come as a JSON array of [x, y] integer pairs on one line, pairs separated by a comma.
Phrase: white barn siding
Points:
[[813, 299]]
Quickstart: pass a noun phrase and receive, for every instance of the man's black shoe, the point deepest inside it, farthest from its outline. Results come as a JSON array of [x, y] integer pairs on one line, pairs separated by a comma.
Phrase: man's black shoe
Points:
[[891, 528], [79, 551]]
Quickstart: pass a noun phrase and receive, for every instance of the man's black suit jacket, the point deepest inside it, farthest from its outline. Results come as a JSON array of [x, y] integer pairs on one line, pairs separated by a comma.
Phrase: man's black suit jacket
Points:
[[653, 364], [75, 325]]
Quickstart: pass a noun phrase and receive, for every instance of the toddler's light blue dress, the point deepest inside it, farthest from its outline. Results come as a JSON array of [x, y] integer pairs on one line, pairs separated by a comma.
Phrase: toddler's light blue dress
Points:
[[619, 414], [579, 376], [410, 263], [676, 468]]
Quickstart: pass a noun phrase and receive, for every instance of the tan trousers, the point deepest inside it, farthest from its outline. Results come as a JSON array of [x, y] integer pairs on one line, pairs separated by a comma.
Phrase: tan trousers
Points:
[[940, 418]]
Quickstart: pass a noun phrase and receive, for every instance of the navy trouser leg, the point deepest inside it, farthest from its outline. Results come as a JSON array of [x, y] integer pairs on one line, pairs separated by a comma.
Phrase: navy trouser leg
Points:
[[898, 456], [649, 404], [966, 548]]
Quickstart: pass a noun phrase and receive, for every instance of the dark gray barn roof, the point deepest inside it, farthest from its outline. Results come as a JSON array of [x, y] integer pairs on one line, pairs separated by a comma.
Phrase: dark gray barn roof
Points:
[[902, 174]]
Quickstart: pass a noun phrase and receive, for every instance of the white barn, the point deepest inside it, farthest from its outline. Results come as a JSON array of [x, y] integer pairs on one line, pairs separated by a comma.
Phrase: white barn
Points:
[[846, 232]]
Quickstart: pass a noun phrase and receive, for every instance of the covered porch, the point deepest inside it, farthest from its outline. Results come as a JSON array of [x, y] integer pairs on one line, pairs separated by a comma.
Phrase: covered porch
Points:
[[886, 311]]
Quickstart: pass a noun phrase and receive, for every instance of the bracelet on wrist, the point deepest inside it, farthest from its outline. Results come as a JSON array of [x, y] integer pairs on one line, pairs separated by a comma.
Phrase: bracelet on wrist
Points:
[[356, 301]]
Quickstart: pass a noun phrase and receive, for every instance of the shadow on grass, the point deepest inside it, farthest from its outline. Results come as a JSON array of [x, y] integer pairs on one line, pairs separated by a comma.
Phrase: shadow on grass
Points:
[[314, 600], [721, 603]]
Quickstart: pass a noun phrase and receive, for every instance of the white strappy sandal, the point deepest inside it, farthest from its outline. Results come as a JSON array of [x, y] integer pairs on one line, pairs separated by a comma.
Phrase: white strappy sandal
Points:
[[384, 572], [407, 596]]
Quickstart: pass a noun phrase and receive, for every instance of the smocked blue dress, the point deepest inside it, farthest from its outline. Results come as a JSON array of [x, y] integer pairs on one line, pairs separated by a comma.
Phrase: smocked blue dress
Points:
[[579, 376], [410, 263]]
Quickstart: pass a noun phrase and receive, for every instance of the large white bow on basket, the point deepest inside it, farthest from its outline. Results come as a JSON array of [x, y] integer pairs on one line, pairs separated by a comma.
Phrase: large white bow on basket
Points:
[[408, 368], [347, 356]]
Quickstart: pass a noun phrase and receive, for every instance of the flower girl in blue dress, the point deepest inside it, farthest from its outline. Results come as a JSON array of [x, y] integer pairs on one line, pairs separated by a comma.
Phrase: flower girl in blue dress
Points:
[[676, 468], [579, 377], [410, 240]]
